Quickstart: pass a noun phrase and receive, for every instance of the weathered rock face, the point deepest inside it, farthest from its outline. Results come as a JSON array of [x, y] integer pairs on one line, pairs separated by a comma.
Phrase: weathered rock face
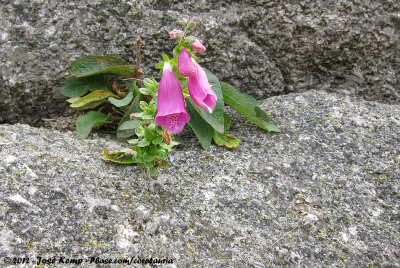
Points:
[[324, 192], [262, 47]]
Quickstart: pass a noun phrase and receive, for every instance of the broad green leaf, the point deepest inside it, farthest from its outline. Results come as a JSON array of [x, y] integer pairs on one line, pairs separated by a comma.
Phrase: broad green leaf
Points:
[[96, 96], [119, 103], [72, 100], [264, 116], [119, 157], [130, 124], [157, 140], [85, 123], [148, 157], [247, 106], [162, 154], [76, 87], [153, 149], [143, 143], [153, 171], [133, 141], [150, 132], [216, 119], [150, 164], [90, 105], [227, 122], [91, 65], [201, 128], [226, 140]]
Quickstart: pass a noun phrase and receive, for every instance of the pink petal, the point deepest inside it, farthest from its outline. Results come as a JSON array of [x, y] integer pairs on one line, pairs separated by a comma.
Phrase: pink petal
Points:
[[185, 65], [200, 89], [171, 113]]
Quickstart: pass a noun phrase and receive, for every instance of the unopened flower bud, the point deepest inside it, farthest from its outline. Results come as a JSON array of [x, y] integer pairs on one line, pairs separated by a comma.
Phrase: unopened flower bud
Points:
[[184, 23], [175, 34], [198, 46]]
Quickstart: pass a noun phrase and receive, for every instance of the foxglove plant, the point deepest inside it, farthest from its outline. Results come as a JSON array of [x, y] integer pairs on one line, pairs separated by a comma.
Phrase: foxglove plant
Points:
[[148, 112]]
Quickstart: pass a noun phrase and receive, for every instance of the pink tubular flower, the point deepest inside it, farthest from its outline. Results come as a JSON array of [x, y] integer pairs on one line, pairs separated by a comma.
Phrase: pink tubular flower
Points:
[[200, 90], [198, 46], [171, 112], [175, 33], [185, 65]]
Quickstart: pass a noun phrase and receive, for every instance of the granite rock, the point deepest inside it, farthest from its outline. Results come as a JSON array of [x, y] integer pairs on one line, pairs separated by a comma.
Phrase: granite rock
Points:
[[323, 192], [264, 48]]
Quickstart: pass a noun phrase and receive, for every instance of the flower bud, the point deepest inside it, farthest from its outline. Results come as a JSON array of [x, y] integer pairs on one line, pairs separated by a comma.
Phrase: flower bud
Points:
[[184, 23], [175, 34], [198, 46], [185, 65]]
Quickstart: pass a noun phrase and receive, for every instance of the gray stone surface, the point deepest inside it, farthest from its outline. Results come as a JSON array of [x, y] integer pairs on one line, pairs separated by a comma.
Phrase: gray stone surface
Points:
[[325, 192], [263, 47]]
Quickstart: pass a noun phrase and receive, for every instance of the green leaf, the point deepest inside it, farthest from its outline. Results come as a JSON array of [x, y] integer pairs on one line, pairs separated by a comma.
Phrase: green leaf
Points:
[[91, 65], [133, 88], [247, 106], [226, 140], [162, 154], [85, 123], [227, 122], [264, 116], [201, 128], [143, 143], [133, 141], [160, 65], [97, 96], [153, 149], [119, 157], [157, 140], [139, 131], [119, 103], [146, 91], [150, 132], [148, 157], [130, 124], [72, 100], [76, 87], [144, 115], [89, 106], [216, 119], [149, 164], [134, 107], [169, 147], [153, 171], [165, 57]]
